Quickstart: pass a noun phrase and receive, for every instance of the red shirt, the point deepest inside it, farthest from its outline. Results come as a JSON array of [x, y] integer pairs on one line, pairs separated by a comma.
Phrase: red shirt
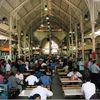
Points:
[[1, 79]]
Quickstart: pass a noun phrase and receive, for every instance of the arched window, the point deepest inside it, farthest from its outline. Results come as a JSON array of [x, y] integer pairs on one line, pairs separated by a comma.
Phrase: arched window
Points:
[[54, 48]]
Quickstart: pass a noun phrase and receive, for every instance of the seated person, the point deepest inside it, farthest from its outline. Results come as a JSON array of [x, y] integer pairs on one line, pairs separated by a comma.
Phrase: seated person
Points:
[[20, 77], [65, 68], [12, 83], [44, 64], [48, 71], [35, 97], [74, 73], [88, 89], [45, 80], [42, 69], [22, 66], [38, 73], [1, 77], [42, 91], [31, 79]]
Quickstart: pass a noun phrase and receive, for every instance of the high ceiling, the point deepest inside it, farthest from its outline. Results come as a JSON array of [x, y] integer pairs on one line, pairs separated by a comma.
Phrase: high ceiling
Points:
[[30, 13]]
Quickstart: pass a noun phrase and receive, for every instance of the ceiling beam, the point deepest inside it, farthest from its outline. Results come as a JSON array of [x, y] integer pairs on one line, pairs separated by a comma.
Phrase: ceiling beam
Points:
[[73, 6], [59, 23], [62, 20], [1, 3], [67, 14], [55, 19], [19, 7], [32, 10], [28, 25]]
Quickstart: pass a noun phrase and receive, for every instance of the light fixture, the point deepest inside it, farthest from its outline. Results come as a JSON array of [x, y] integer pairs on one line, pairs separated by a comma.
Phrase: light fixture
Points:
[[48, 26], [48, 22], [14, 27], [16, 33], [45, 8], [41, 15], [47, 17], [86, 17], [41, 25], [26, 37], [4, 19], [78, 26], [70, 32], [73, 31], [21, 33]]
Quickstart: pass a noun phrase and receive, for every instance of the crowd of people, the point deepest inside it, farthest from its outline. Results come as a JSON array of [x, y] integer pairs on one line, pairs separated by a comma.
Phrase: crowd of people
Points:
[[11, 73]]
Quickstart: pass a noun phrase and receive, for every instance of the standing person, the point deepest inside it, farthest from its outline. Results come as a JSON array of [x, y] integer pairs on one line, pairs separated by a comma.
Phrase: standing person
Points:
[[43, 92], [95, 68], [8, 66], [81, 66], [88, 89], [95, 74], [90, 63]]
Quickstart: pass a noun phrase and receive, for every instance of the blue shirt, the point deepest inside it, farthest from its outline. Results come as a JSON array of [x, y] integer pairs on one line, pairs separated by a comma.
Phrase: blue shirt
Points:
[[46, 80], [81, 66], [38, 74], [52, 65], [95, 69], [22, 68]]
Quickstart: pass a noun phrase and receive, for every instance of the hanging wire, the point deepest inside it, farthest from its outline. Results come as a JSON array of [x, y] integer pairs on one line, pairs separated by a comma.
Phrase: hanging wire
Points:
[[16, 18], [41, 14], [70, 19]]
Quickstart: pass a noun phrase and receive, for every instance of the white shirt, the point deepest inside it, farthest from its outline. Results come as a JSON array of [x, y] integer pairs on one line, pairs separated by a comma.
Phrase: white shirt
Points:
[[44, 92], [27, 64], [65, 68], [31, 80], [77, 74], [8, 67], [43, 64], [20, 76], [88, 89]]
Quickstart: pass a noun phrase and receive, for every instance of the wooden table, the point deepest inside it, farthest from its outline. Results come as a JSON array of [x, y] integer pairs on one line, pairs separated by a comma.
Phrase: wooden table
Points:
[[30, 70], [26, 74], [25, 93], [67, 80], [62, 74], [72, 92], [64, 87]]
